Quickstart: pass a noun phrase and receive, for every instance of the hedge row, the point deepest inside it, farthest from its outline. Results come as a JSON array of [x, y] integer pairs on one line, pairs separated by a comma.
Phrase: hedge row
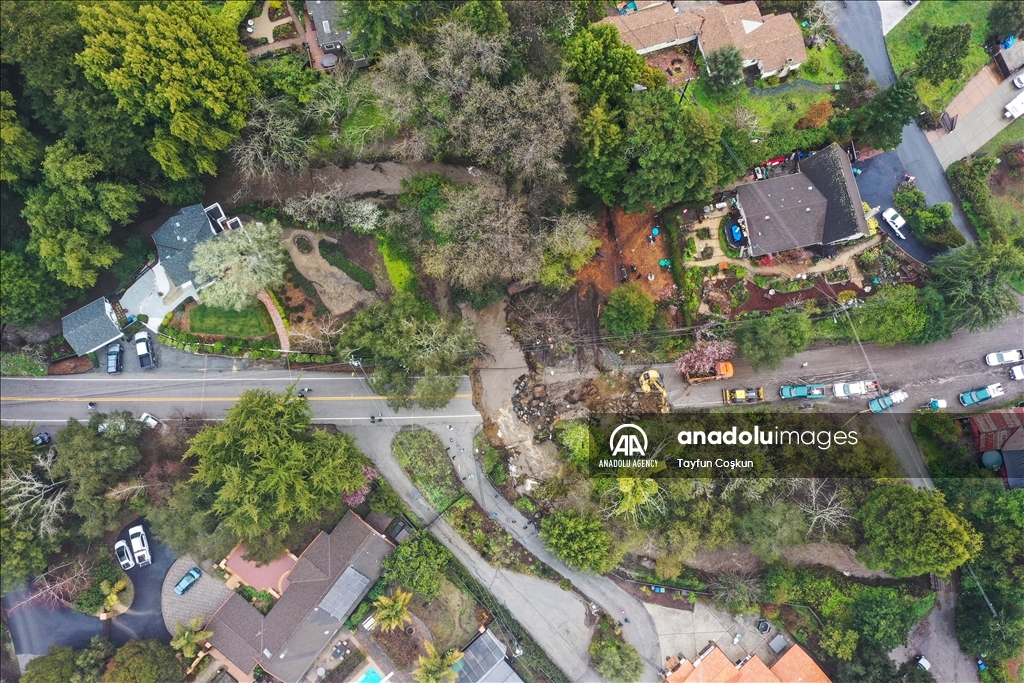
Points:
[[310, 358]]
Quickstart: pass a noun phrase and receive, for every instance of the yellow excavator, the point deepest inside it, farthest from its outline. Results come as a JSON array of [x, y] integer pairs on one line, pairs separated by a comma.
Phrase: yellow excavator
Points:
[[650, 380]]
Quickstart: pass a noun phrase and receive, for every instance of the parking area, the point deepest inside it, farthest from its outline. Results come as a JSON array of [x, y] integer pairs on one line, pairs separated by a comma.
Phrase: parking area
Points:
[[205, 596], [684, 632]]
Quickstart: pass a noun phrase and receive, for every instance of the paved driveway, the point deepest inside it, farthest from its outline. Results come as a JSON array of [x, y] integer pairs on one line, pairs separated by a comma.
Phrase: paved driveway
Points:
[[145, 619], [880, 175], [981, 123], [205, 596]]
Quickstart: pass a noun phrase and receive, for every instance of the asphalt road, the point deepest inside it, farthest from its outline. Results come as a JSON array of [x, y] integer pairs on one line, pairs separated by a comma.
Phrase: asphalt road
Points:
[[860, 27], [37, 626], [880, 175]]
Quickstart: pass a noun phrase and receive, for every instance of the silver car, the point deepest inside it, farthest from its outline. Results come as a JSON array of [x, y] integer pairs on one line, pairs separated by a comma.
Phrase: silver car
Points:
[[895, 221]]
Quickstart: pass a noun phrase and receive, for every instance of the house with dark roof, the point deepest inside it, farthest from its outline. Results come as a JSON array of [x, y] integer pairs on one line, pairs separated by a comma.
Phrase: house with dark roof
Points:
[[329, 579], [817, 207], [91, 327], [773, 43], [330, 36], [483, 661]]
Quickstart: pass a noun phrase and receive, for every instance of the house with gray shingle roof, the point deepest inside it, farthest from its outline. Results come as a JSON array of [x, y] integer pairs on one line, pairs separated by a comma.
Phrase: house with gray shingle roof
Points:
[[483, 661], [91, 327], [329, 579], [817, 207]]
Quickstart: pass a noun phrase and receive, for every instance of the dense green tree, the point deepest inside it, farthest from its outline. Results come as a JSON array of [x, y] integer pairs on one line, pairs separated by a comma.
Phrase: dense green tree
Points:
[[486, 17], [933, 226], [19, 149], [1006, 18], [241, 263], [287, 76], [945, 49], [885, 617], [16, 449], [938, 325], [870, 664], [771, 529], [378, 26], [144, 661], [910, 532], [672, 152], [436, 667], [767, 342], [72, 213], [604, 68], [891, 110], [188, 523], [418, 564], [999, 638], [189, 636], [724, 69], [172, 67], [997, 513], [433, 390], [974, 281], [93, 463], [894, 315], [578, 539], [66, 665], [616, 660], [602, 164], [630, 310], [268, 469]]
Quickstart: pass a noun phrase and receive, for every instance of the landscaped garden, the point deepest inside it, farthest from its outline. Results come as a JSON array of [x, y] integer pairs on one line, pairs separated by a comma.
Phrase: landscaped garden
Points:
[[249, 323]]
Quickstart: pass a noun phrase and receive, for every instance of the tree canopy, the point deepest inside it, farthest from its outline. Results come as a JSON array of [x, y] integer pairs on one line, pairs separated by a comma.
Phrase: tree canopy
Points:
[[173, 67], [724, 67], [578, 539], [268, 469], [944, 52], [604, 68], [418, 564], [767, 342], [630, 310], [241, 263], [889, 111], [974, 282], [144, 661], [911, 532]]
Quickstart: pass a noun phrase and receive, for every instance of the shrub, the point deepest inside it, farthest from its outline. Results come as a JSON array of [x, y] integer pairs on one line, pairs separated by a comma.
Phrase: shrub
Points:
[[333, 254], [630, 310], [813, 64], [817, 115], [772, 81]]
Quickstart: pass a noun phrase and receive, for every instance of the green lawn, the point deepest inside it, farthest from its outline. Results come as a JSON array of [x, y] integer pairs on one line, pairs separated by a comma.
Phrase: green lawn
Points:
[[249, 323], [20, 365], [908, 38], [1009, 206], [831, 70]]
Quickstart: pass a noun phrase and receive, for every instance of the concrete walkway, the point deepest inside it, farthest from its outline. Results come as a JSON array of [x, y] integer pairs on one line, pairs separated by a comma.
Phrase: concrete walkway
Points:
[[980, 108], [893, 12]]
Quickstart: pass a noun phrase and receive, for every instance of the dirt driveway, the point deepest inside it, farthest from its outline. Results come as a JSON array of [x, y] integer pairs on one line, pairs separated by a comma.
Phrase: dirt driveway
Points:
[[338, 291]]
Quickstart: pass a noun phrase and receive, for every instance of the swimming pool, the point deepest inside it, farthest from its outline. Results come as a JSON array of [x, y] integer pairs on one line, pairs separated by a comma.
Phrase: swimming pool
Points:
[[371, 675]]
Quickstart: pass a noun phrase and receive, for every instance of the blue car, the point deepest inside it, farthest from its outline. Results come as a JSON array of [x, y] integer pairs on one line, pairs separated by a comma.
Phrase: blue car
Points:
[[186, 581]]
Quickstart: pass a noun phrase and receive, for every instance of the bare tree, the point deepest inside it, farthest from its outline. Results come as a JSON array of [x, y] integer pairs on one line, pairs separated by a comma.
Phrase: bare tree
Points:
[[271, 142], [746, 119], [34, 498], [820, 16], [126, 490], [318, 335], [736, 591], [59, 585], [822, 502]]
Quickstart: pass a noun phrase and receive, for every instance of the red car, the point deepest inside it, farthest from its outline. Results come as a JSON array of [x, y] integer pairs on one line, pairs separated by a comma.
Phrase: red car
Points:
[[775, 162]]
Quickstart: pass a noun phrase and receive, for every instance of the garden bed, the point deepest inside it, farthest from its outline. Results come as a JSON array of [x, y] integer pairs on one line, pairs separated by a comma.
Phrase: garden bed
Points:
[[673, 598], [70, 366], [285, 31], [335, 254], [249, 323]]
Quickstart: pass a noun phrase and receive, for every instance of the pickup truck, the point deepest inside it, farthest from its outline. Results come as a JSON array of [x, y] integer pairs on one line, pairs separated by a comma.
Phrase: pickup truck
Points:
[[140, 546], [844, 389], [976, 396], [790, 391], [883, 403], [144, 348], [743, 395], [1004, 357], [723, 370]]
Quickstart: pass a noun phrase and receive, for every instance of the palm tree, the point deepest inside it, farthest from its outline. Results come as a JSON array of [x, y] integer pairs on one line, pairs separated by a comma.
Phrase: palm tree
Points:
[[189, 635], [112, 592], [394, 611], [436, 667]]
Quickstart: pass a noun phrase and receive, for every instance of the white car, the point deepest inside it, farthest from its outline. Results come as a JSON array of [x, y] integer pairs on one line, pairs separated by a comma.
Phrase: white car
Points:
[[140, 546], [1005, 357], [895, 221], [844, 389], [123, 556], [149, 421], [1017, 372], [1019, 81]]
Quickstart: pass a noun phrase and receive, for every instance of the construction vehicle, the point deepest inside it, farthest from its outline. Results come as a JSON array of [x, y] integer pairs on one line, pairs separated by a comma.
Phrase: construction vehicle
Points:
[[650, 380], [730, 396], [723, 370]]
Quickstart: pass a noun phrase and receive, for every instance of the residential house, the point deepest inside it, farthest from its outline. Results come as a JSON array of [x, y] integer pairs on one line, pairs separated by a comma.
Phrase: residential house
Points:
[[817, 207], [773, 43], [160, 288], [712, 665], [483, 661], [91, 327], [1003, 431], [329, 579], [330, 36]]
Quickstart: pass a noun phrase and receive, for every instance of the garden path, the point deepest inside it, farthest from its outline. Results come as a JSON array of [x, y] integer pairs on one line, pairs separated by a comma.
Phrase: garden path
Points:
[[263, 27], [338, 291], [275, 316]]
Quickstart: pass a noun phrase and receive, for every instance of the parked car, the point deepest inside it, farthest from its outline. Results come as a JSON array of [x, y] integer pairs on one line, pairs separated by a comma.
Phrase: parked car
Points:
[[1005, 357], [844, 389], [149, 421], [140, 546], [758, 173], [123, 556], [114, 353], [976, 396], [883, 403], [791, 391], [186, 581], [743, 395], [1017, 372], [895, 221], [41, 439], [144, 347], [1019, 81]]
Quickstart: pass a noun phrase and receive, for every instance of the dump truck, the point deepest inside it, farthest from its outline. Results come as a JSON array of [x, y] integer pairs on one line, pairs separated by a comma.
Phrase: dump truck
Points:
[[650, 381], [883, 403], [723, 370], [730, 396]]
